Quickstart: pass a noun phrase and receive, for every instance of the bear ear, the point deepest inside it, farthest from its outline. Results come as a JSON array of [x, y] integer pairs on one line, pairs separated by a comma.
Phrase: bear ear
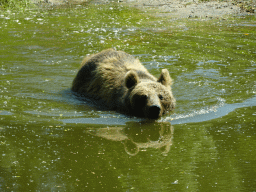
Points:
[[165, 78], [131, 79]]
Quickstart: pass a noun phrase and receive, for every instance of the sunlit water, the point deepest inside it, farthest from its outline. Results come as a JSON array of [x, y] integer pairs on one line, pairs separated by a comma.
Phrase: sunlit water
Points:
[[53, 141]]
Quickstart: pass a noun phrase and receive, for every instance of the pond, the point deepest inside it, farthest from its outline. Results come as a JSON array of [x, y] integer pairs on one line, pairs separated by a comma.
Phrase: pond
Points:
[[52, 141]]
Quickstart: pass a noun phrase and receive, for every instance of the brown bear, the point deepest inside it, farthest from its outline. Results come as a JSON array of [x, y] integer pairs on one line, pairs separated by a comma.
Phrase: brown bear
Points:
[[120, 82]]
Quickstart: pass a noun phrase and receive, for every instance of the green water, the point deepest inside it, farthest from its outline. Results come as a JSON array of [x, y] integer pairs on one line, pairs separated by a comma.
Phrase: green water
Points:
[[52, 141]]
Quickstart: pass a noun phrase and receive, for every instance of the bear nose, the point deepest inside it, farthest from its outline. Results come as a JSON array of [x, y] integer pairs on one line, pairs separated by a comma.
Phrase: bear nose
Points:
[[154, 112]]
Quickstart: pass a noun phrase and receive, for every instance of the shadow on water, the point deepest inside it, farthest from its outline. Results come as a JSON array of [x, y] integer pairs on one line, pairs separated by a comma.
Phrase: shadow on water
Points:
[[138, 136], [88, 156]]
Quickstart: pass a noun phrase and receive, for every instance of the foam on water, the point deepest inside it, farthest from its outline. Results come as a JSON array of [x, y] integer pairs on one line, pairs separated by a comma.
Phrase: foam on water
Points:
[[213, 112]]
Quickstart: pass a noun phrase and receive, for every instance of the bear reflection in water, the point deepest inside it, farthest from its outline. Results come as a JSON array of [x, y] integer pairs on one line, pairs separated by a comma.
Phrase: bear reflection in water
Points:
[[119, 81], [138, 137]]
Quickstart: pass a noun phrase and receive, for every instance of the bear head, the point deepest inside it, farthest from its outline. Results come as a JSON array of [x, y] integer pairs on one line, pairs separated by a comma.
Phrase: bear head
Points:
[[149, 98]]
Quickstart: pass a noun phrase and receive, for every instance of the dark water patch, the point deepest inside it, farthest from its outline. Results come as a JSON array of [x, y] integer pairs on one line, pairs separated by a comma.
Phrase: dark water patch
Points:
[[97, 121]]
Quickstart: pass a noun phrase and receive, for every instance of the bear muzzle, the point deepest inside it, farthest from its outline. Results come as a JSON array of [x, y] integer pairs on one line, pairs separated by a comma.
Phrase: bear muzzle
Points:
[[153, 109], [154, 112]]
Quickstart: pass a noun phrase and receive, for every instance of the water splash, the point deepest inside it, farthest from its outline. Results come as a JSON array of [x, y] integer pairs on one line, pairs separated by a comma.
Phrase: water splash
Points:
[[213, 112]]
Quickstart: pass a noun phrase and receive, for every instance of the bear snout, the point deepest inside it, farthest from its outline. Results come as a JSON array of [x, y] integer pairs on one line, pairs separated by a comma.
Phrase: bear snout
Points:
[[154, 112]]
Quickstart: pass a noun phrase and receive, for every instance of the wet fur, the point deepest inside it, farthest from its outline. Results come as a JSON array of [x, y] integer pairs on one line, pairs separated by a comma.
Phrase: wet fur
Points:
[[115, 77]]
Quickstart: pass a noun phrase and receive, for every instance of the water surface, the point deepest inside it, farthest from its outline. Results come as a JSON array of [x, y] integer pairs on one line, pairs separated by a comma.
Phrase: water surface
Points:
[[53, 141]]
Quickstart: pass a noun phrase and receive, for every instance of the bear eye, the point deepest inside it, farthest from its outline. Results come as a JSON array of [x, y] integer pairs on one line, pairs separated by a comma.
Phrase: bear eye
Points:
[[160, 97]]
